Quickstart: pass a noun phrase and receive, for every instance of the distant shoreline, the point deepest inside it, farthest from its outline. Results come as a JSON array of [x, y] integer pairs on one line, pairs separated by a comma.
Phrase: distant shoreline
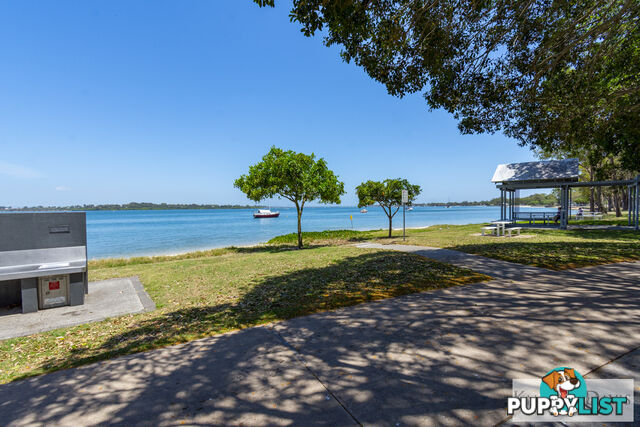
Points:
[[169, 207], [534, 200], [134, 206]]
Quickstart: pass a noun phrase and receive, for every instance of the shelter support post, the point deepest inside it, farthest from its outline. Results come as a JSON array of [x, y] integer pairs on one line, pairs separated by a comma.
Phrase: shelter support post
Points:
[[637, 201], [564, 201], [632, 205], [568, 206], [570, 202], [633, 211], [562, 207], [504, 205], [513, 208], [629, 205]]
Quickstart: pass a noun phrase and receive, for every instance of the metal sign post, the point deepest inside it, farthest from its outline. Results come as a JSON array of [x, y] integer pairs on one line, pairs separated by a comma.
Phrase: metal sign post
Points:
[[405, 199]]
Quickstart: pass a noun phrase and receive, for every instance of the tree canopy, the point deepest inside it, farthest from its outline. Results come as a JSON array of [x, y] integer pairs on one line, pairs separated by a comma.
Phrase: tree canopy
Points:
[[388, 194], [550, 74], [297, 177]]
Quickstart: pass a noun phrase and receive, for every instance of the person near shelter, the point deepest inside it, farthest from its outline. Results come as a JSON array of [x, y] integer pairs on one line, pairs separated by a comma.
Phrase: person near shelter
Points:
[[580, 214], [558, 215]]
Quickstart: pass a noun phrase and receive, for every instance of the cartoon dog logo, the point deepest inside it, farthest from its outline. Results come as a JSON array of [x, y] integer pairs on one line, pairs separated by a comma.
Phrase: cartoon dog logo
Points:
[[562, 382]]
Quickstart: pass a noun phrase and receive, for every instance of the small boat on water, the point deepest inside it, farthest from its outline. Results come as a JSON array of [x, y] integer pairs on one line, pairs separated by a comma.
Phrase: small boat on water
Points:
[[363, 211], [410, 208], [266, 213]]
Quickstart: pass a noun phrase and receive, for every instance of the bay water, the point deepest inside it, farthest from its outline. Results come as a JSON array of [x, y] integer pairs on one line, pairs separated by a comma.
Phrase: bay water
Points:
[[158, 232]]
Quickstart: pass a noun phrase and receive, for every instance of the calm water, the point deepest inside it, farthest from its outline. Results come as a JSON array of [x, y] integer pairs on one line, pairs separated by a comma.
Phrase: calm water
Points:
[[133, 233]]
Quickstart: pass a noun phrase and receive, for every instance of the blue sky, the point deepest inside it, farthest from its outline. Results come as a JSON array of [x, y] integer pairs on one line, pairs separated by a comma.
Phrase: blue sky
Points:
[[170, 101]]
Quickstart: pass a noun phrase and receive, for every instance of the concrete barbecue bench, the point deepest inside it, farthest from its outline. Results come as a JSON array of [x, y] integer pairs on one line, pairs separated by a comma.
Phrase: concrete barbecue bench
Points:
[[43, 260]]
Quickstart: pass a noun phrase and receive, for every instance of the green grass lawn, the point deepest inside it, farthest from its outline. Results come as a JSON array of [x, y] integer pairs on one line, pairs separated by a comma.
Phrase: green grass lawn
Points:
[[549, 248], [553, 249], [607, 219], [207, 293]]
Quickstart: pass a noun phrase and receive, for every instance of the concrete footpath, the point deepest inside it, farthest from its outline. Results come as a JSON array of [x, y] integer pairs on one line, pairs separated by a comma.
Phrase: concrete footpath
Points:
[[445, 357]]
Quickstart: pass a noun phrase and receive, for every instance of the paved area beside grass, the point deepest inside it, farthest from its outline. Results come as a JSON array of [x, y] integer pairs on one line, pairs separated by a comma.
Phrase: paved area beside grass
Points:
[[107, 298], [445, 357]]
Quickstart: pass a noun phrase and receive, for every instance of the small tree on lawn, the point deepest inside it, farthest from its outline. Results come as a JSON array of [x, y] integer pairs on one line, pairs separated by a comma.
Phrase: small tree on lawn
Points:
[[295, 176], [388, 194]]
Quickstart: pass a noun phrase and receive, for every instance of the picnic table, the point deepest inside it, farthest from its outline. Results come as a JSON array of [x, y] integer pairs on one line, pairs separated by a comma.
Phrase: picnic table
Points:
[[500, 228], [501, 225]]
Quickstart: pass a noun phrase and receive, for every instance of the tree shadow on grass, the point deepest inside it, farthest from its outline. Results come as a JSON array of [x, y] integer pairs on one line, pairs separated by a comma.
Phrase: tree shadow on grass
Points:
[[443, 357], [610, 234], [557, 255]]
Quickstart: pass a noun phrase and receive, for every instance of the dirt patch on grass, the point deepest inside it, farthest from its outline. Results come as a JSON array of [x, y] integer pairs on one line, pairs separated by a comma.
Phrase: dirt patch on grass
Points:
[[515, 236]]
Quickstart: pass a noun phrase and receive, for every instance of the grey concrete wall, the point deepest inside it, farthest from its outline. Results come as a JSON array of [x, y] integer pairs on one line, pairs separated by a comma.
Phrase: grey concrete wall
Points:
[[19, 231]]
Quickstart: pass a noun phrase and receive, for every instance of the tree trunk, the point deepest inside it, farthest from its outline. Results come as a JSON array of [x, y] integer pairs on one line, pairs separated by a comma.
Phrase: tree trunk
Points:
[[299, 209], [299, 230], [616, 202], [599, 201], [388, 214]]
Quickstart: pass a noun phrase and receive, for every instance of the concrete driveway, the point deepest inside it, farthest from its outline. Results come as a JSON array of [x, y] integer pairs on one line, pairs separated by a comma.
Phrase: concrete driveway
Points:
[[436, 358]]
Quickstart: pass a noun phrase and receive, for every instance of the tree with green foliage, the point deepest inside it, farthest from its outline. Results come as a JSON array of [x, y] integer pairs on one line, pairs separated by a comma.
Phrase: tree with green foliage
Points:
[[297, 177], [550, 74], [595, 165], [388, 194]]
